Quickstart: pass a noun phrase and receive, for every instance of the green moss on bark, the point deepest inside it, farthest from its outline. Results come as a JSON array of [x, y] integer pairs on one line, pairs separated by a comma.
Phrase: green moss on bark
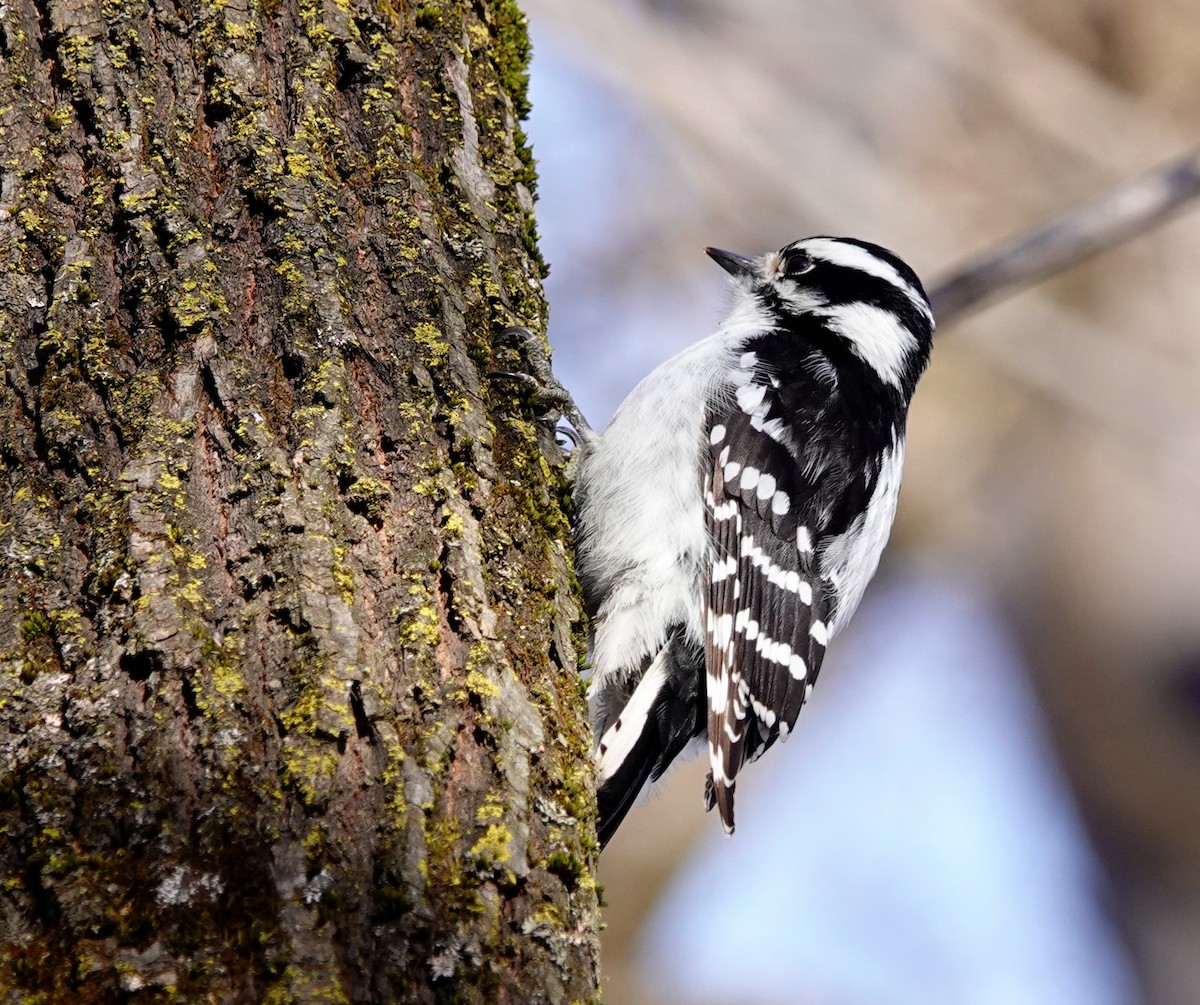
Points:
[[287, 629]]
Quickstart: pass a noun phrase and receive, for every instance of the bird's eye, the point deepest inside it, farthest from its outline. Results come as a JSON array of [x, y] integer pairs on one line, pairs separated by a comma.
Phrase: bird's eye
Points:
[[796, 263]]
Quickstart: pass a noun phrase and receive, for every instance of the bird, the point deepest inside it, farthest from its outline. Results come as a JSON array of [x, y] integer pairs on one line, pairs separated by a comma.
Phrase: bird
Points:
[[732, 512]]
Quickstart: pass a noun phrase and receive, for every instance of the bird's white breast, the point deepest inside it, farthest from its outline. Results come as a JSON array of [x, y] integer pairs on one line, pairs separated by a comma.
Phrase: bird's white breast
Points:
[[849, 560], [639, 492]]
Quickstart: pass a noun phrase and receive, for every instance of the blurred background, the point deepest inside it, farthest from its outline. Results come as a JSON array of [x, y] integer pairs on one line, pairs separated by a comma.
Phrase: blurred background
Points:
[[994, 795]]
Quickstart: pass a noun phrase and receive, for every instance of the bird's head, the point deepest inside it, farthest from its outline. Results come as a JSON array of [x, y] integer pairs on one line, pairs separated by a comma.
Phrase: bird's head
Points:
[[859, 293]]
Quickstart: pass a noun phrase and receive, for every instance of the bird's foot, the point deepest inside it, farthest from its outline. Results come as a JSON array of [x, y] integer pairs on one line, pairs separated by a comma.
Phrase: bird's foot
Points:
[[544, 389]]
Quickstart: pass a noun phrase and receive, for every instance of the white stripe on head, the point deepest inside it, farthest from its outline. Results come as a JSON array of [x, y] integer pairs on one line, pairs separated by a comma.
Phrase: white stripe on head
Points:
[[876, 336], [852, 256]]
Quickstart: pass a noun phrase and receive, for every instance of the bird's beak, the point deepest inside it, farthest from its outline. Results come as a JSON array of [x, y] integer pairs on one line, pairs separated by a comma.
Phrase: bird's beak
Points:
[[736, 265]]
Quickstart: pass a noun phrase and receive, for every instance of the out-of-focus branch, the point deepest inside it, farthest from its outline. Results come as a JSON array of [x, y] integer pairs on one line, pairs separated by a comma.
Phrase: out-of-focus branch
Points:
[[1119, 214]]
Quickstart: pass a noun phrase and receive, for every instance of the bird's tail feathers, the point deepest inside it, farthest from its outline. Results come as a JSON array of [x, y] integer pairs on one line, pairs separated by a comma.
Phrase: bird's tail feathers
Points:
[[655, 725]]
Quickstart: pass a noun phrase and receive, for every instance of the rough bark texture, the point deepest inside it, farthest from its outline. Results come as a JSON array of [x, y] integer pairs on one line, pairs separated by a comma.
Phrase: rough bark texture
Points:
[[288, 702]]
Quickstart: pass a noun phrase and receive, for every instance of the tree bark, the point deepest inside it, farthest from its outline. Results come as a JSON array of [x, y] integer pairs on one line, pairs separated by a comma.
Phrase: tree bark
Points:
[[289, 709]]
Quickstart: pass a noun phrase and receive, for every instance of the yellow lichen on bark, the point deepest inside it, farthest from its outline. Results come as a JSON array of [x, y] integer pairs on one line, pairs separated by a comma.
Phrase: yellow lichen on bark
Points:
[[289, 708]]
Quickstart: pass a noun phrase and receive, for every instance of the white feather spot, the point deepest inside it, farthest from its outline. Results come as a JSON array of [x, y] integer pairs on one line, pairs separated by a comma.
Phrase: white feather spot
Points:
[[768, 648], [749, 479], [723, 569], [766, 486], [717, 434], [730, 470], [819, 633], [718, 772], [804, 541], [725, 510], [780, 503], [774, 428], [764, 714], [750, 396], [723, 629], [797, 668]]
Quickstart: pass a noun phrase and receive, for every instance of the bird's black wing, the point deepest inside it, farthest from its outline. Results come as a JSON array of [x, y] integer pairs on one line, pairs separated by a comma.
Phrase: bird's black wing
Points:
[[784, 473]]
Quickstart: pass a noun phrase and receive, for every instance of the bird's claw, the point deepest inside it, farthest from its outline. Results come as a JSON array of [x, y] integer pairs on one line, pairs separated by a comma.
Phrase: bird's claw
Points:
[[543, 386]]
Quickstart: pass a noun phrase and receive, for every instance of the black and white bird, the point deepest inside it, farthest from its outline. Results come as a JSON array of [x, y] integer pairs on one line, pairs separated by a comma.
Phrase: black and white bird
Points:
[[734, 510]]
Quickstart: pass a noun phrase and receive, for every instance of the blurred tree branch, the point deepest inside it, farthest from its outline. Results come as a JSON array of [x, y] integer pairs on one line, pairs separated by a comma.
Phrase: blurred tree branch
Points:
[[1128, 209]]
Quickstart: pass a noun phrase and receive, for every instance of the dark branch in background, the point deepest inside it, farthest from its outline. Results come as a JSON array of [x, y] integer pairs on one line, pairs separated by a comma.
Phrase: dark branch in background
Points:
[[1125, 211]]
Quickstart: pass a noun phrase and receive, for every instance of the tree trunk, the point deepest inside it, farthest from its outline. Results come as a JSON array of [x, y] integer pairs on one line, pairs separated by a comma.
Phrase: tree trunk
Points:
[[289, 708]]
